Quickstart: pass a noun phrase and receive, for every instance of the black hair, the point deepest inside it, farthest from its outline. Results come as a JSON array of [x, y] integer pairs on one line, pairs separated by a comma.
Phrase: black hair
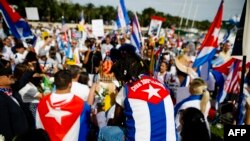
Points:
[[5, 67], [74, 70], [88, 43], [19, 44], [129, 65], [194, 126], [31, 56], [52, 52], [33, 135], [62, 79], [84, 78], [20, 69], [5, 71]]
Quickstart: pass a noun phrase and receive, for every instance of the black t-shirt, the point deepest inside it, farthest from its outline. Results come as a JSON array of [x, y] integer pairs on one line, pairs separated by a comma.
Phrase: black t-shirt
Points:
[[94, 61]]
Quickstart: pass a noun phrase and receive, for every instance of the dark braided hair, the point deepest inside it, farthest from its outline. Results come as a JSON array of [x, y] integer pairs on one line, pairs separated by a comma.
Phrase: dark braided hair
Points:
[[129, 65]]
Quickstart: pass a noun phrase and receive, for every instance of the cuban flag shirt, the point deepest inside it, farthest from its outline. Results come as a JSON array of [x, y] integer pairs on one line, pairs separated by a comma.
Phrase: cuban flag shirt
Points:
[[148, 109], [64, 116]]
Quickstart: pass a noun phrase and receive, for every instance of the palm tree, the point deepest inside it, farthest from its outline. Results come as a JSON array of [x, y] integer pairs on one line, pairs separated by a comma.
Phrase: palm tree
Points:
[[89, 11], [146, 14]]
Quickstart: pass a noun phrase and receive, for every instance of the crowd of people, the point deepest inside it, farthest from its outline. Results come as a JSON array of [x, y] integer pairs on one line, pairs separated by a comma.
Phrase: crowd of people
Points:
[[70, 85]]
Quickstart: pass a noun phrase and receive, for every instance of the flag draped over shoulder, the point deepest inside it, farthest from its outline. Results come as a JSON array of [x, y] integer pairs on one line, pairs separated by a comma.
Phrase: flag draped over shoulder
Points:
[[122, 19], [136, 34], [210, 43], [17, 25]]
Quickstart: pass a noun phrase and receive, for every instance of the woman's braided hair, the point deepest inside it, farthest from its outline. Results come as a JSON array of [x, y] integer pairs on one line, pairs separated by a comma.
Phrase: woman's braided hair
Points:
[[129, 65]]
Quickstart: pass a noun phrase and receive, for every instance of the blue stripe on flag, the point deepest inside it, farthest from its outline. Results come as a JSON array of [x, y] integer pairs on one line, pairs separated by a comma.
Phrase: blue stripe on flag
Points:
[[226, 36], [68, 52], [125, 18], [190, 98], [200, 61], [8, 21], [124, 11], [135, 41], [26, 32], [158, 121], [118, 23], [84, 121], [130, 124], [219, 81]]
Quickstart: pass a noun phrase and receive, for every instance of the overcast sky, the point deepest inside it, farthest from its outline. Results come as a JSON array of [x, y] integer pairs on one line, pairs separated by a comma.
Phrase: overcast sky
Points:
[[206, 9]]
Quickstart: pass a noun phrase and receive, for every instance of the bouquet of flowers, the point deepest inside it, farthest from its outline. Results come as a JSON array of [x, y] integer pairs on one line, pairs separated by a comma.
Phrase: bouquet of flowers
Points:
[[100, 96]]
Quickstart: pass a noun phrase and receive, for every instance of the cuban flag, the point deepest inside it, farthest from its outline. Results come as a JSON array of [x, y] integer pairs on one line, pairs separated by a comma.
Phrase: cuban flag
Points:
[[226, 35], [17, 25], [136, 34], [210, 43], [149, 111], [81, 22], [232, 72], [219, 81], [63, 120], [68, 51], [122, 20]]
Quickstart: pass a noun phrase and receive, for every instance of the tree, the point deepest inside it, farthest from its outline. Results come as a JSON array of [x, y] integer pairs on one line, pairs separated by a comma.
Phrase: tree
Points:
[[89, 12], [146, 16], [51, 10]]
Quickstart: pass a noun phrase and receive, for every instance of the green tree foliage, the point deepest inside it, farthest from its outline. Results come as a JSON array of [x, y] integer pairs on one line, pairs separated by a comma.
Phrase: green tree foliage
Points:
[[51, 10]]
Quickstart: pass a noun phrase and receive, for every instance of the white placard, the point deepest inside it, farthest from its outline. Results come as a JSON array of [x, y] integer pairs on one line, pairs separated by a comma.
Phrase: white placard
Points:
[[32, 13], [98, 28], [155, 27]]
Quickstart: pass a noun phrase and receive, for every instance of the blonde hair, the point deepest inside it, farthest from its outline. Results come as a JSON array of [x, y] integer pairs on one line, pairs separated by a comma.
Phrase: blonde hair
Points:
[[193, 86], [194, 89]]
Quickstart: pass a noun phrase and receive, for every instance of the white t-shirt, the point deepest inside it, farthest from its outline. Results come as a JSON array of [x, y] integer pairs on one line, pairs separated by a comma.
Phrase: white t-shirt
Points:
[[29, 93], [105, 48], [8, 52], [39, 45], [19, 58], [101, 119], [121, 97], [111, 112], [80, 90]]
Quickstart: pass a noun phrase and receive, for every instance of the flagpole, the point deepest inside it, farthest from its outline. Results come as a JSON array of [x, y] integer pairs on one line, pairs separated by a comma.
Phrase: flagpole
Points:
[[189, 13], [183, 10], [195, 13], [241, 95]]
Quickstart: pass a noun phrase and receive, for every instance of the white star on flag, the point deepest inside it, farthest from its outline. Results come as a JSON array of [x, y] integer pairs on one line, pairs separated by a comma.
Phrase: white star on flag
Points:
[[152, 92], [216, 32], [57, 113]]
